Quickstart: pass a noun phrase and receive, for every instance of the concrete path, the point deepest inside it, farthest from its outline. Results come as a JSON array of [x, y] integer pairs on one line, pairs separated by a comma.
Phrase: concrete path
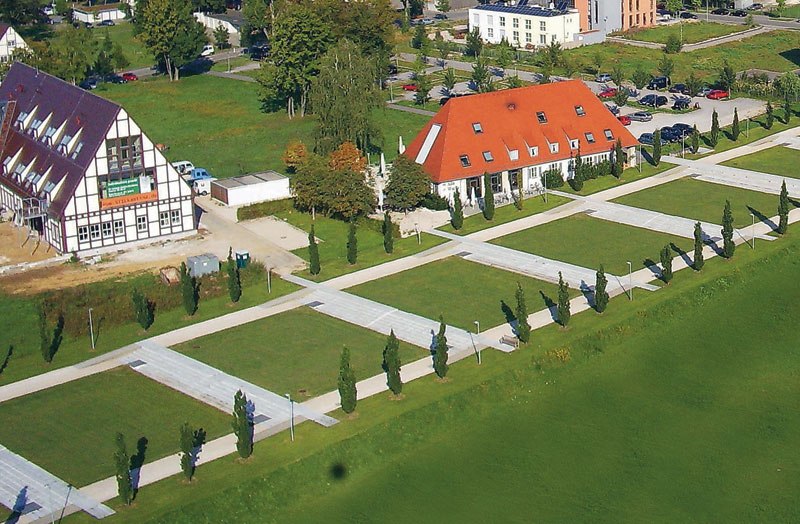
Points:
[[741, 178], [214, 387], [35, 494], [687, 48], [232, 76], [415, 110]]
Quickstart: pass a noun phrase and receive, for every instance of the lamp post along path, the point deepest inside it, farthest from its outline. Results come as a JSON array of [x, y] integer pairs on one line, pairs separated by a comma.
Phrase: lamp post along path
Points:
[[478, 332], [291, 416], [91, 328], [630, 280]]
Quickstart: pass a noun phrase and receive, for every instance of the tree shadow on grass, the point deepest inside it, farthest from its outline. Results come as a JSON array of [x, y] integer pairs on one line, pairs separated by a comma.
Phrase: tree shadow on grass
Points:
[[7, 359], [588, 292], [550, 305], [681, 253], [762, 218], [653, 267]]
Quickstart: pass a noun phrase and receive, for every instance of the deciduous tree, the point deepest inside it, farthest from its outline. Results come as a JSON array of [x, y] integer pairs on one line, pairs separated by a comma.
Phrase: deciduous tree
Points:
[[391, 363], [73, 53], [222, 37], [142, 309], [474, 43], [171, 33], [640, 78], [666, 66], [408, 184], [449, 79], [347, 383], [296, 153], [727, 76], [728, 246]]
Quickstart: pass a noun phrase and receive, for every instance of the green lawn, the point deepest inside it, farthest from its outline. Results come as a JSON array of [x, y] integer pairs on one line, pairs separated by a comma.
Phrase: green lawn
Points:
[[122, 34], [751, 132], [333, 235], [217, 123], [778, 160], [299, 354], [507, 213], [704, 201], [693, 32], [461, 291], [238, 61], [665, 408], [69, 429], [631, 174], [589, 242]]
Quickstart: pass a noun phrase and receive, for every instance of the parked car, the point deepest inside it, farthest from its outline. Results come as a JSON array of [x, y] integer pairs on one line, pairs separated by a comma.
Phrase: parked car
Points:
[[679, 88], [440, 16], [197, 173], [625, 120], [208, 50], [653, 100], [88, 84], [259, 52], [687, 15], [756, 7], [422, 21], [739, 12], [116, 79], [685, 129], [202, 186], [681, 104], [48, 10], [648, 139], [613, 108], [720, 11], [640, 116], [670, 135], [183, 167], [603, 77], [409, 87], [704, 91], [609, 92], [659, 82], [718, 94], [107, 23], [130, 77]]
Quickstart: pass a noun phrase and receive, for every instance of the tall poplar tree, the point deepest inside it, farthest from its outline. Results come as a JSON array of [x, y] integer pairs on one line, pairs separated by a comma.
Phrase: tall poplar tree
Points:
[[600, 293], [189, 291], [523, 327], [563, 301], [728, 246], [713, 137], [457, 219], [783, 210], [699, 260], [388, 233], [488, 197], [735, 128], [347, 383], [440, 350], [242, 425], [313, 253], [352, 244], [234, 280], [666, 264], [122, 466], [657, 147], [391, 363]]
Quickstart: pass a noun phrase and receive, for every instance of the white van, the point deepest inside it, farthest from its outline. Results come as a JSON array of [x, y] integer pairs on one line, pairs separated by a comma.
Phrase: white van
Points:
[[183, 167], [203, 186], [208, 50]]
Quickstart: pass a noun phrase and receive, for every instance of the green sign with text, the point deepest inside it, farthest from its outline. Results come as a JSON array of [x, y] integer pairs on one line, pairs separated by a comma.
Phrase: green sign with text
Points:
[[118, 188]]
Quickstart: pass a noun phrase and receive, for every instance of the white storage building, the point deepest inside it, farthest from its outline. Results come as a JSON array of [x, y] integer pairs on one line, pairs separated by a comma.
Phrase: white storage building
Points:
[[251, 189]]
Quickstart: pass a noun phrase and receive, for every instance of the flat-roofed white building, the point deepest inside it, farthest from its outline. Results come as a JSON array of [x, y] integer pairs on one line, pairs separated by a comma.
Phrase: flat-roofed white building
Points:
[[525, 26]]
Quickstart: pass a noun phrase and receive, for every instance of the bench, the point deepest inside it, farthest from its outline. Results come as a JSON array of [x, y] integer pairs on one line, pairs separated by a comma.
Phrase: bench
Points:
[[510, 340]]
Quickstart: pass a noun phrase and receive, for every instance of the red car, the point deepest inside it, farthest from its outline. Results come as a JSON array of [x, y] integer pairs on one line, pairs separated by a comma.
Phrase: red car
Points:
[[129, 77], [409, 87], [611, 92], [624, 120], [717, 94]]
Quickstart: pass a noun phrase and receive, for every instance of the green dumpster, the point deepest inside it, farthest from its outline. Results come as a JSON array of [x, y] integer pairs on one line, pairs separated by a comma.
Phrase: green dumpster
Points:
[[242, 259]]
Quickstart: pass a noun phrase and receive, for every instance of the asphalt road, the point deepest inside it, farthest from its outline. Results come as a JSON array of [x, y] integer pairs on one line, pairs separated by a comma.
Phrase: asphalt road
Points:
[[758, 19]]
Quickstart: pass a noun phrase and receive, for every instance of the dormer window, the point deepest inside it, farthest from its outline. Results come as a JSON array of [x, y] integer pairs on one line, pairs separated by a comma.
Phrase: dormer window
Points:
[[533, 151], [477, 128], [6, 163], [579, 111], [21, 118], [513, 154], [487, 156], [464, 161], [609, 134], [589, 137], [541, 117], [554, 148], [62, 145], [77, 151], [48, 134], [48, 188], [573, 144]]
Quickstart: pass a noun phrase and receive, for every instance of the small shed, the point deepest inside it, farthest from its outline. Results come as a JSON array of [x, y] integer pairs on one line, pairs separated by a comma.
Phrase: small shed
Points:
[[200, 265], [251, 189]]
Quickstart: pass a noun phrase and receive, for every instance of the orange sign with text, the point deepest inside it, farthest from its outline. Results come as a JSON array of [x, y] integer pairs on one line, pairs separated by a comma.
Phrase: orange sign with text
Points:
[[128, 200]]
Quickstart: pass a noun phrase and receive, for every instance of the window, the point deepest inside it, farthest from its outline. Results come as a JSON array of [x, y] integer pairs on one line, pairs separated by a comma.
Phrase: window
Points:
[[496, 183], [464, 161], [83, 234], [141, 224], [541, 117], [94, 231], [477, 128], [490, 33], [554, 148], [76, 151], [542, 26], [118, 228], [543, 39], [487, 155], [573, 144], [527, 24], [106, 229], [534, 151], [528, 38], [163, 218], [579, 111], [502, 21], [513, 154], [516, 36], [490, 19], [48, 135], [609, 134], [124, 152], [35, 125], [175, 217], [515, 22], [476, 19], [589, 137]]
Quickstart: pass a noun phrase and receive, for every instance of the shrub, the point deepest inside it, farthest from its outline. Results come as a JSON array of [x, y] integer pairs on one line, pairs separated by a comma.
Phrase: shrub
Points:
[[434, 202], [552, 179], [264, 209]]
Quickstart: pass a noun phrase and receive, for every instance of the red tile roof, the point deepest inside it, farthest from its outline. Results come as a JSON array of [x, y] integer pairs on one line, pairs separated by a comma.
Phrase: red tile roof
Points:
[[509, 121]]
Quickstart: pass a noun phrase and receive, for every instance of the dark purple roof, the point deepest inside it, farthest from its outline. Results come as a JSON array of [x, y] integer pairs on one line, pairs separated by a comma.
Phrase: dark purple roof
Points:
[[3, 28], [91, 115]]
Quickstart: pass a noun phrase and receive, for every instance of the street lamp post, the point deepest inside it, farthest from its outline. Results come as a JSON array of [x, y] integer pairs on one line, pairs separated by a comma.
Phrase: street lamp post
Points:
[[416, 229], [91, 328], [269, 280], [291, 415], [630, 280], [478, 332], [683, 145]]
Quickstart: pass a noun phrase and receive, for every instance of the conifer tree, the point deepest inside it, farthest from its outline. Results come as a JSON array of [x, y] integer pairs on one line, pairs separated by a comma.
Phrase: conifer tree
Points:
[[666, 264], [728, 247], [122, 466], [488, 197], [189, 290], [457, 220], [735, 130], [44, 336], [313, 253], [563, 301], [787, 112], [695, 142], [699, 260], [440, 350], [352, 244], [713, 137], [242, 425], [388, 237], [619, 160], [523, 327], [391, 363], [142, 309], [657, 147], [783, 210], [234, 281], [600, 293], [187, 450], [347, 383], [770, 119]]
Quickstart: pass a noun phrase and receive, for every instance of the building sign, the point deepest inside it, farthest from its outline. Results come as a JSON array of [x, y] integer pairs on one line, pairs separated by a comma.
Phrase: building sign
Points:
[[128, 200], [120, 188]]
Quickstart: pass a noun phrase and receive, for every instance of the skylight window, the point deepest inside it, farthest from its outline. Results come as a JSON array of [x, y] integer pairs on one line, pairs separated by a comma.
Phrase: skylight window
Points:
[[48, 187], [541, 117], [579, 111], [36, 124], [477, 128], [50, 132], [464, 161], [21, 117], [589, 137], [77, 151], [609, 134], [487, 155]]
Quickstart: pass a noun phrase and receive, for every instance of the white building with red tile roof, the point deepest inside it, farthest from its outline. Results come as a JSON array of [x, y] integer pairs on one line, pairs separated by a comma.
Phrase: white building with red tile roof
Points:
[[524, 131], [9, 41]]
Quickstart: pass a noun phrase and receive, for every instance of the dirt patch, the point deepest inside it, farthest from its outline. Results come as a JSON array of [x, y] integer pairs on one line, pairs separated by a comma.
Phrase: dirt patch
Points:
[[18, 248], [66, 275]]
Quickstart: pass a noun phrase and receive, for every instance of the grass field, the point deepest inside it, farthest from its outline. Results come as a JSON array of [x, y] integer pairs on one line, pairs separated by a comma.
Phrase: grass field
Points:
[[631, 174], [297, 351], [778, 160], [461, 291], [751, 132], [665, 411], [333, 246], [693, 32], [704, 201], [589, 242], [217, 123], [69, 429], [507, 213], [122, 34]]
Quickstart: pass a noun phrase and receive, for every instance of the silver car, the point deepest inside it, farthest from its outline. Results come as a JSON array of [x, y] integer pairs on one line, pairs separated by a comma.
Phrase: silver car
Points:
[[641, 116]]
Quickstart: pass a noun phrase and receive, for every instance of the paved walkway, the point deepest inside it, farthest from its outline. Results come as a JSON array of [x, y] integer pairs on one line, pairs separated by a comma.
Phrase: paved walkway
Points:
[[415, 110], [741, 178], [687, 48], [34, 494]]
